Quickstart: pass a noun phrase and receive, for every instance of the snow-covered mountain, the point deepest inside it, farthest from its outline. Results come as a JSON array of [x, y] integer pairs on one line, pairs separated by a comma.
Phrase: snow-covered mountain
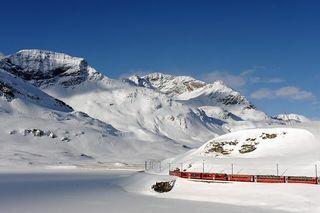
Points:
[[292, 118], [154, 116], [45, 68], [215, 100], [36, 128], [167, 84]]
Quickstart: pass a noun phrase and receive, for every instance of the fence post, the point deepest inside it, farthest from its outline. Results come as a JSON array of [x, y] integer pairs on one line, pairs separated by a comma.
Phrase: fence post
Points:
[[277, 169], [316, 170]]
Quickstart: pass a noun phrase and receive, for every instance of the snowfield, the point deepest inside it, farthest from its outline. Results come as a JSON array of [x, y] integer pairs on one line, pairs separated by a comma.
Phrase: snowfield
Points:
[[74, 140], [122, 191], [258, 151]]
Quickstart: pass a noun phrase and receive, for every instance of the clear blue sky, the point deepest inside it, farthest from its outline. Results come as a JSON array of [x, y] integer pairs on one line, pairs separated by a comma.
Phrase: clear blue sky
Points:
[[269, 50]]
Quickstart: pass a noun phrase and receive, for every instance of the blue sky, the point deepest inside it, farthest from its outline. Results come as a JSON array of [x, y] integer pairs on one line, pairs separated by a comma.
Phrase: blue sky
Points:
[[269, 50]]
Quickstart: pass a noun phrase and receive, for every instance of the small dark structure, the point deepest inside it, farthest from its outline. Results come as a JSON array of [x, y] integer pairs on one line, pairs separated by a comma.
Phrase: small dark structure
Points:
[[165, 186]]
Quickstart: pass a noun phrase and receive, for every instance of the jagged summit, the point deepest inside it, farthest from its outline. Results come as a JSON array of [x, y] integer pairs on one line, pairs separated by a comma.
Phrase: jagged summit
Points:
[[188, 88], [168, 84], [44, 68]]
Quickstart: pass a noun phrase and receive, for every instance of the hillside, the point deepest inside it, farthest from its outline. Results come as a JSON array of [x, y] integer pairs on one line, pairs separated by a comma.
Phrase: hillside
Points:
[[257, 151], [37, 129], [151, 117]]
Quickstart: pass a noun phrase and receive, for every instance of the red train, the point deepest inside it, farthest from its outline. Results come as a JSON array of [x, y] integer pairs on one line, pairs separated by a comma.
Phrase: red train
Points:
[[246, 178], [270, 179], [298, 179]]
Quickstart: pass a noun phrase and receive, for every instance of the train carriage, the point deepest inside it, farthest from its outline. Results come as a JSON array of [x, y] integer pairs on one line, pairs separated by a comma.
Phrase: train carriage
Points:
[[191, 175], [270, 179], [302, 179], [208, 176], [241, 178], [175, 173], [220, 176]]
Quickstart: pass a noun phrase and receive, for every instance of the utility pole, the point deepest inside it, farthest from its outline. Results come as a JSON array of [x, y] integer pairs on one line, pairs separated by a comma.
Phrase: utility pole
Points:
[[316, 170], [277, 169], [232, 168], [202, 166]]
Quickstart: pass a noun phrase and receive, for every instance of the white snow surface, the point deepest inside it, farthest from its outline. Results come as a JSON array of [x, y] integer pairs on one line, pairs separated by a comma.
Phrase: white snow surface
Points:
[[294, 149], [26, 94], [123, 191]]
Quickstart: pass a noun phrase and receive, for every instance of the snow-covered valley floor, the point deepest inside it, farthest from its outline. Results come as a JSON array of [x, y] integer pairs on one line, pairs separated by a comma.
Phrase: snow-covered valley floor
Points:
[[130, 191]]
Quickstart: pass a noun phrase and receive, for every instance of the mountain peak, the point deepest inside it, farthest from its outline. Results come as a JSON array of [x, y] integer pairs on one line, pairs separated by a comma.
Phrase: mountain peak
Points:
[[44, 59], [219, 83], [292, 118], [44, 68], [168, 84]]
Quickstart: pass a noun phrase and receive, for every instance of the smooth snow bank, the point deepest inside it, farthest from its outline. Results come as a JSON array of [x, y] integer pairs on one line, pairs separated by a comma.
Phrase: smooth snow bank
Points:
[[295, 150], [267, 141], [286, 197], [274, 197]]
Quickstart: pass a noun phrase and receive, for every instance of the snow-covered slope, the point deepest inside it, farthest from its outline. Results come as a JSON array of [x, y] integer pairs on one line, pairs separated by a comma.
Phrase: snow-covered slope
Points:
[[36, 128], [16, 95], [161, 114], [261, 143], [257, 151], [198, 94], [148, 114]]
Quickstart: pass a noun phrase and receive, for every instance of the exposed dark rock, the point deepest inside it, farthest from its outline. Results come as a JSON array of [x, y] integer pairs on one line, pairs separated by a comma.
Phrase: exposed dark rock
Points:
[[35, 132], [86, 156], [219, 147], [165, 186], [6, 91], [233, 100], [268, 136], [39, 70], [65, 139], [245, 148]]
